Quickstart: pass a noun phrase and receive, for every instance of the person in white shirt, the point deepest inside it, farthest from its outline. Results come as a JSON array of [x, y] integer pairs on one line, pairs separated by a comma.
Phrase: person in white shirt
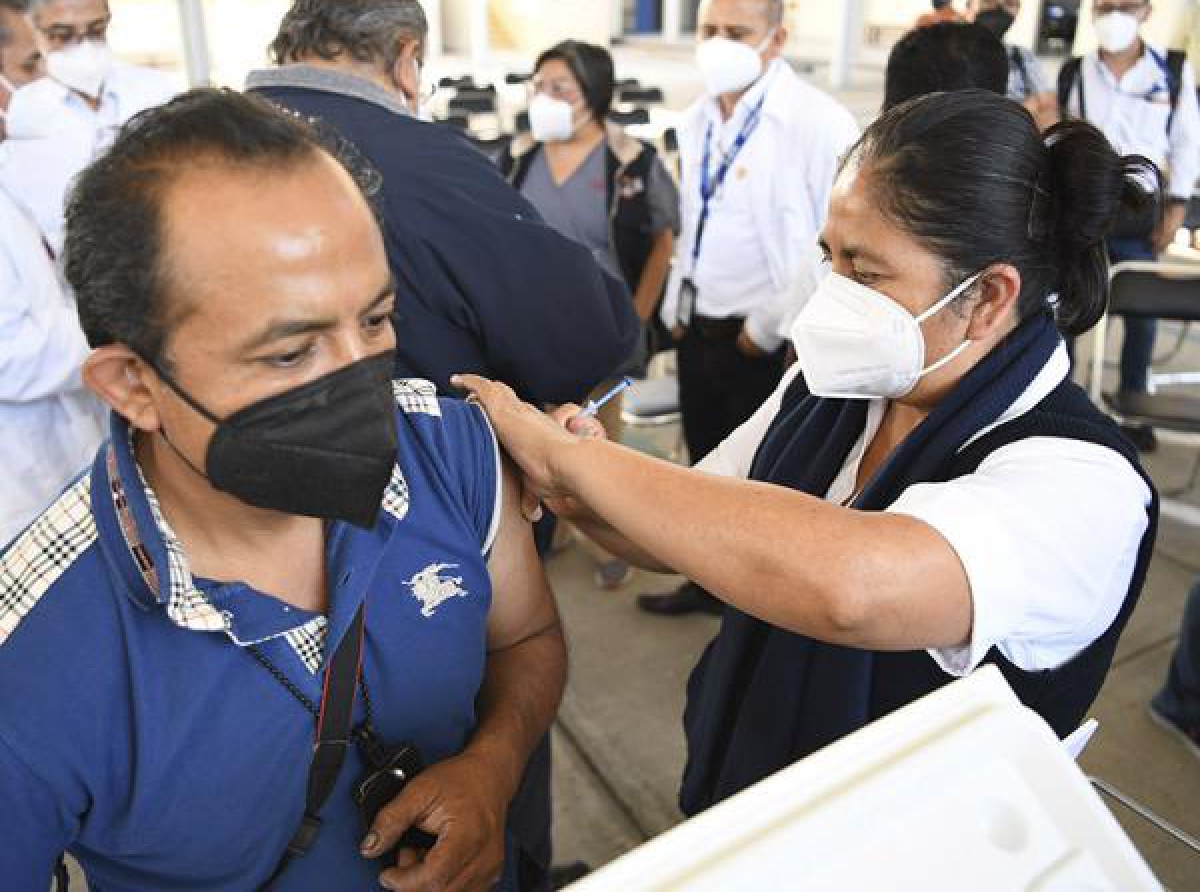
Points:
[[758, 155], [1145, 105], [928, 491], [21, 60], [49, 426], [77, 110]]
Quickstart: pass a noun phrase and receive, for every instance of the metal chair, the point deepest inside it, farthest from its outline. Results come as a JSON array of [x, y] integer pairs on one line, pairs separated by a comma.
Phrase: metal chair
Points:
[[628, 118], [1157, 291], [653, 402], [473, 103], [641, 95]]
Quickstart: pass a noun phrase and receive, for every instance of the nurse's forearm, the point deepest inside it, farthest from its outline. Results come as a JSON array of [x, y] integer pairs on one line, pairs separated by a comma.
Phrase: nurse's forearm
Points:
[[858, 578]]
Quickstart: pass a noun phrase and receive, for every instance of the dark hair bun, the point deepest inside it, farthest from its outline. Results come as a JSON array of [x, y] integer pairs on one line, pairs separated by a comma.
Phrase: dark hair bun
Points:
[[1091, 187]]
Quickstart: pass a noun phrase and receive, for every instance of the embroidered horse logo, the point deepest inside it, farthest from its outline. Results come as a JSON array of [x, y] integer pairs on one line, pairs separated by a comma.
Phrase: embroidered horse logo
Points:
[[432, 589]]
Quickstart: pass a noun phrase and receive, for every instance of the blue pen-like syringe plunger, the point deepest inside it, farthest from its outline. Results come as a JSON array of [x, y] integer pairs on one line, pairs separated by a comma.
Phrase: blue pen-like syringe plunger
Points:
[[594, 406]]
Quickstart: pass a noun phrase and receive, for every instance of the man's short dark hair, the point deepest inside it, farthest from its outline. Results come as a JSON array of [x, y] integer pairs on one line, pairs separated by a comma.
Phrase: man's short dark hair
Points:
[[115, 246], [592, 66], [369, 31], [945, 57]]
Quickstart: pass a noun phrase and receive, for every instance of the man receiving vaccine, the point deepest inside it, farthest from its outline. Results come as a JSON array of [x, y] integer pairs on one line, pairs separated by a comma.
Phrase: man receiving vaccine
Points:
[[65, 119], [758, 156]]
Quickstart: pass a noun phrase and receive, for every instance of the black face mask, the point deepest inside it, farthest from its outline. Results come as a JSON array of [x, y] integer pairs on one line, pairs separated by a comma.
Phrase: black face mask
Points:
[[324, 449], [997, 20]]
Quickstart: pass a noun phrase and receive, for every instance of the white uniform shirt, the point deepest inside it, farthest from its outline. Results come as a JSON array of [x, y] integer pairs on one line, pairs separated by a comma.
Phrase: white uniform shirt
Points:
[[1047, 529], [1133, 114], [49, 426], [39, 172], [772, 205]]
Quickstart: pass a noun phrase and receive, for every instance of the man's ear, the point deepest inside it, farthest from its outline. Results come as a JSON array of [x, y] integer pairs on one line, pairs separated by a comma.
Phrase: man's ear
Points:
[[405, 71], [778, 43], [124, 381], [999, 289]]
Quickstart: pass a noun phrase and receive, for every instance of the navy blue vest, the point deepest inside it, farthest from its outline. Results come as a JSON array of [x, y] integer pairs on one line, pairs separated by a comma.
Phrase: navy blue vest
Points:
[[762, 697]]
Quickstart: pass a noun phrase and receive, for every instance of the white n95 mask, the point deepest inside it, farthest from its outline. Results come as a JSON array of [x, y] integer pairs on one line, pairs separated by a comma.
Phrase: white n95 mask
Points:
[[33, 110], [83, 67], [551, 120], [1116, 31], [729, 66], [854, 343]]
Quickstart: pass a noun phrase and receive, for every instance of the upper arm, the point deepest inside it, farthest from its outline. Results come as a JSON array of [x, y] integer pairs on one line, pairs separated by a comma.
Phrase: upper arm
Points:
[[1046, 532], [522, 605]]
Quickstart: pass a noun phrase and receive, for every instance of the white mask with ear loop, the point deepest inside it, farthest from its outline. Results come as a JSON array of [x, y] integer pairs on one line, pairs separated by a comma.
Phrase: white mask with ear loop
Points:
[[729, 66], [33, 110], [852, 342], [1116, 31], [552, 120]]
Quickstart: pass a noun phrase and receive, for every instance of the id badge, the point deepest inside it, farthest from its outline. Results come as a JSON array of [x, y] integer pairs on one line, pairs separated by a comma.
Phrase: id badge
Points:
[[687, 303]]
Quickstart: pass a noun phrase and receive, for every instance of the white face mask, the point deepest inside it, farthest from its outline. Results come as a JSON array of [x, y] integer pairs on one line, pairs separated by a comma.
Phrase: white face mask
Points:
[[34, 109], [551, 120], [1116, 31], [83, 67], [729, 66], [854, 343]]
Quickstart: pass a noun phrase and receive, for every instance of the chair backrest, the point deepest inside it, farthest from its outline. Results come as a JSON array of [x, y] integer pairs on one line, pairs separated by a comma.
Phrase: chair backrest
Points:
[[1155, 290], [626, 118], [458, 83], [481, 103], [513, 78], [641, 95]]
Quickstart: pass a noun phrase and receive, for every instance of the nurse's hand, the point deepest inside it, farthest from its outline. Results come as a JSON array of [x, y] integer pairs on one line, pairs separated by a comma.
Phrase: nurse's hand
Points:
[[533, 439]]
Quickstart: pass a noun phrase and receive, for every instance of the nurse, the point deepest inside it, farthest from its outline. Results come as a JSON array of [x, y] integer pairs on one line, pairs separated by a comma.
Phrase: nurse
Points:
[[927, 490]]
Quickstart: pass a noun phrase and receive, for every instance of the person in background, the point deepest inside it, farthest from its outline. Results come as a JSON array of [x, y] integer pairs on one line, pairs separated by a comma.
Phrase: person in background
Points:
[[268, 490], [925, 60], [759, 152], [21, 59], [943, 13], [1027, 80], [75, 112], [1145, 104], [927, 490], [1177, 706], [594, 182], [942, 58], [484, 283], [50, 425]]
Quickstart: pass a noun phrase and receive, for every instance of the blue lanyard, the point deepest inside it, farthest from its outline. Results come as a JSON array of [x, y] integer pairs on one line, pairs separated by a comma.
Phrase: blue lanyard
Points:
[[709, 185]]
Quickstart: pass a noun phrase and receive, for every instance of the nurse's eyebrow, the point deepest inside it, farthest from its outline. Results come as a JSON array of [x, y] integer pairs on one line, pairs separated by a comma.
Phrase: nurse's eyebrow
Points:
[[289, 328], [859, 252]]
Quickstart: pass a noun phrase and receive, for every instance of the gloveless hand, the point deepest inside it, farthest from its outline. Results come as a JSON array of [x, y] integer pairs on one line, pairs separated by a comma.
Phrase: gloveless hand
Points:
[[455, 801], [534, 440]]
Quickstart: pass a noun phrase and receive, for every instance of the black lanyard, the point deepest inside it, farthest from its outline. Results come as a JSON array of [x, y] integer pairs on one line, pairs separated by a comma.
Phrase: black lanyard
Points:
[[335, 719]]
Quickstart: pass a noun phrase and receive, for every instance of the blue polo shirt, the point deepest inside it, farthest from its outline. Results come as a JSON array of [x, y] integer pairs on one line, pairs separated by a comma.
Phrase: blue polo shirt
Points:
[[136, 731]]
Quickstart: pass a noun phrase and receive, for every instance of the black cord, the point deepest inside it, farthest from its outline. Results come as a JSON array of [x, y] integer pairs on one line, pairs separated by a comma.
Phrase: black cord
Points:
[[277, 674]]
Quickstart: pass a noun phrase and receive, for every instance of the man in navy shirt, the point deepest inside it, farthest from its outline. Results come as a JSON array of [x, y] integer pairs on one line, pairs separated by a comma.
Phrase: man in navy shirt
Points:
[[166, 624], [484, 283]]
